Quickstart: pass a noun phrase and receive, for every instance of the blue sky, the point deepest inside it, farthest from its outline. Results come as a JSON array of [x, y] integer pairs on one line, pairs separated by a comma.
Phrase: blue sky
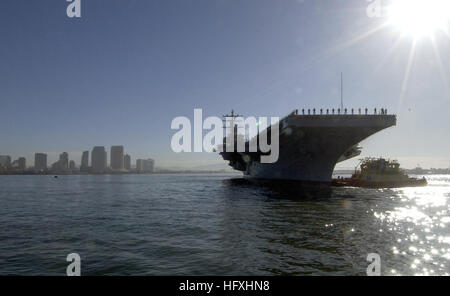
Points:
[[126, 68]]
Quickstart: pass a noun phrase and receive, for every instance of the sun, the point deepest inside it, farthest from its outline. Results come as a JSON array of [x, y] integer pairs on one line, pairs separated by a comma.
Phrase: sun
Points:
[[419, 18]]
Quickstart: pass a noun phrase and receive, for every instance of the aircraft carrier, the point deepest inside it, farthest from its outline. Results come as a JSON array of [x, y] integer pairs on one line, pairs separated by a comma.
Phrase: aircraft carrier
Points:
[[311, 144]]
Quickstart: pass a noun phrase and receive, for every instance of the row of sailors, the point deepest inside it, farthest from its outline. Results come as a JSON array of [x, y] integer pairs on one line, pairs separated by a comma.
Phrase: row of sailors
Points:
[[381, 112]]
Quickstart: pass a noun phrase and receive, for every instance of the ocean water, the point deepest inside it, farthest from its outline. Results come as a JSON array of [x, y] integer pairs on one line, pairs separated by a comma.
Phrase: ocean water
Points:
[[219, 225]]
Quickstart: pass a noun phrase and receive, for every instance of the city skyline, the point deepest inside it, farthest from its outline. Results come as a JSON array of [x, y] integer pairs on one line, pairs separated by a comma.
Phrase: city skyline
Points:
[[65, 161]]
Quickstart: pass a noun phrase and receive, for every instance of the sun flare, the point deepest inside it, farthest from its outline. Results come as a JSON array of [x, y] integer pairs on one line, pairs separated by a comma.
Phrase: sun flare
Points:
[[420, 18]]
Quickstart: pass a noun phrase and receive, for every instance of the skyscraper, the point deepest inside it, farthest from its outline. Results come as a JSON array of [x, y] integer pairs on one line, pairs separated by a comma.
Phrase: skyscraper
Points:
[[64, 160], [149, 165], [5, 161], [84, 161], [117, 160], [72, 165], [40, 162], [22, 163], [145, 165], [127, 162], [98, 159], [139, 165]]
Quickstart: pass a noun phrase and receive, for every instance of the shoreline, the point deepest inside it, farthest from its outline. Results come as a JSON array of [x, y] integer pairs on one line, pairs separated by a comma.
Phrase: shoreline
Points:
[[163, 172]]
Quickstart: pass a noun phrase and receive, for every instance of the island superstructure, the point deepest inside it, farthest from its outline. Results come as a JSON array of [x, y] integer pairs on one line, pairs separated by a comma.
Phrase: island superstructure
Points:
[[311, 144]]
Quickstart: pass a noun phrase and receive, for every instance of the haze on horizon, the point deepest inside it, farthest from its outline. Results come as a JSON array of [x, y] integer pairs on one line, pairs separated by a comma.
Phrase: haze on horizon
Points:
[[125, 69]]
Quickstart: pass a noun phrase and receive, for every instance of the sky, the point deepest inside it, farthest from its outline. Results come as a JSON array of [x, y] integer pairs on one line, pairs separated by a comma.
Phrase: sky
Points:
[[123, 71]]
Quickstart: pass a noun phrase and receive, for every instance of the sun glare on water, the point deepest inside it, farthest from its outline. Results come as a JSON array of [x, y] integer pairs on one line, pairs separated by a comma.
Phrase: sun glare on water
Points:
[[420, 18]]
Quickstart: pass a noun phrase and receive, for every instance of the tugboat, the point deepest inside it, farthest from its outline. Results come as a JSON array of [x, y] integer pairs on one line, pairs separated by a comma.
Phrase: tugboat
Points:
[[379, 173]]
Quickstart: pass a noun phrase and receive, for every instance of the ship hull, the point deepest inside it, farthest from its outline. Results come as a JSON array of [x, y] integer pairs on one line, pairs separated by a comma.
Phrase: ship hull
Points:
[[311, 146]]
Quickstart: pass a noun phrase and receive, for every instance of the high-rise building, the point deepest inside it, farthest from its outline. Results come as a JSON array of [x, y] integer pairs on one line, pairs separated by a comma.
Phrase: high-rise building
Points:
[[127, 162], [84, 161], [145, 165], [40, 162], [5, 161], [62, 164], [117, 160], [139, 165], [72, 165], [98, 159], [64, 161], [149, 165], [22, 163]]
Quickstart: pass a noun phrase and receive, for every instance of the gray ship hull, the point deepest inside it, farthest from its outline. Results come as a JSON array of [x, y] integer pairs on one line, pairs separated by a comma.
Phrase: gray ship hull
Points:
[[311, 146]]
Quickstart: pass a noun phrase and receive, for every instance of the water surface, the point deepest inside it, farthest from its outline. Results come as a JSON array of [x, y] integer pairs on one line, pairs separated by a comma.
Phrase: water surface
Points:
[[218, 225]]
